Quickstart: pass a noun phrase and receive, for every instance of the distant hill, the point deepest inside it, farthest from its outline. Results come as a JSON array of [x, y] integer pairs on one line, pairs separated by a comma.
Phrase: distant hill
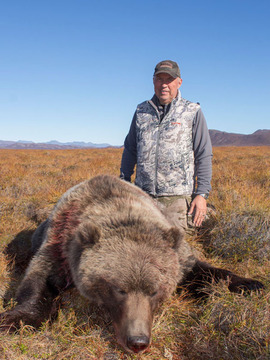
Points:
[[50, 145], [258, 138], [218, 138]]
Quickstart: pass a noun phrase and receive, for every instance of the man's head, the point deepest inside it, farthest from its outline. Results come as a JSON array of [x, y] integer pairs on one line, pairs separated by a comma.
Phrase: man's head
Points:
[[167, 80]]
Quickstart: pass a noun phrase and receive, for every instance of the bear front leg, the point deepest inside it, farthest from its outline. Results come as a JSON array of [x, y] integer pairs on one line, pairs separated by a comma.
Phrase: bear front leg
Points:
[[203, 273], [34, 298]]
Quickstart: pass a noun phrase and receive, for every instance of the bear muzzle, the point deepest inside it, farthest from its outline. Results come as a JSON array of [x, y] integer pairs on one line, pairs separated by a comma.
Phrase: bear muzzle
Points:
[[133, 322]]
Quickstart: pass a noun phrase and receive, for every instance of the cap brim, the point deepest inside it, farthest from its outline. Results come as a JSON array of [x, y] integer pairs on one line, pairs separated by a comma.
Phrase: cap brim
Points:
[[167, 71]]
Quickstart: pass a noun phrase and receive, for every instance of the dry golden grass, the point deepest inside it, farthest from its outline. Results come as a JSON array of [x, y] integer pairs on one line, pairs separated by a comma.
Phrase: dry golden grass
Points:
[[226, 326]]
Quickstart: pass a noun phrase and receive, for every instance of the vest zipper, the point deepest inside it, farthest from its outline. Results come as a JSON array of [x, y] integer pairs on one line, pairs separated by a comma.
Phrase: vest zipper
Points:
[[157, 147], [156, 158]]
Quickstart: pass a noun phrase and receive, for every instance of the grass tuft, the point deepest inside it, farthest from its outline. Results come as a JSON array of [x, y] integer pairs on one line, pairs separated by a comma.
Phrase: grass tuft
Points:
[[241, 235]]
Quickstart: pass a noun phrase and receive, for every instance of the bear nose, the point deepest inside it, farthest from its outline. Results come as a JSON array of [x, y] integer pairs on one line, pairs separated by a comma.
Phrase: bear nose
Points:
[[138, 343]]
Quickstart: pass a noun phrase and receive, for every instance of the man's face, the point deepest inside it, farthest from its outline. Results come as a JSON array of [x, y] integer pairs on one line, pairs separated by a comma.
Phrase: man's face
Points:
[[166, 87]]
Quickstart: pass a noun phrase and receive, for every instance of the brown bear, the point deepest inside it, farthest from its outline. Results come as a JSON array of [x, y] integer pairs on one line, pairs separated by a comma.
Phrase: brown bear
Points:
[[109, 239]]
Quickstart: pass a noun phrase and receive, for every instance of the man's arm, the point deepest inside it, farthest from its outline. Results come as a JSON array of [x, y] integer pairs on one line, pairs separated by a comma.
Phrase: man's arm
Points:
[[129, 156], [202, 148]]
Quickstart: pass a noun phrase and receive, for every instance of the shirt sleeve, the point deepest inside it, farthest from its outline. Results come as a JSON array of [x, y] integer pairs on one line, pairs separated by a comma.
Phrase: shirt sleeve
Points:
[[129, 156], [202, 148]]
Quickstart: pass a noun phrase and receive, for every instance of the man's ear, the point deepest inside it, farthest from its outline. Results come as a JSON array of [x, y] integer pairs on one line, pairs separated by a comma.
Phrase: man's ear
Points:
[[87, 234]]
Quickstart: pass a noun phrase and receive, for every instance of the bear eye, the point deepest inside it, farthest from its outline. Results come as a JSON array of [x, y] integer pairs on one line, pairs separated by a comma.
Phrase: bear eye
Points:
[[154, 293], [120, 291]]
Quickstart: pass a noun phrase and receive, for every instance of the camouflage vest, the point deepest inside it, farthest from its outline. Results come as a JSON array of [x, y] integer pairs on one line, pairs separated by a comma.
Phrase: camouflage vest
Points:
[[165, 159]]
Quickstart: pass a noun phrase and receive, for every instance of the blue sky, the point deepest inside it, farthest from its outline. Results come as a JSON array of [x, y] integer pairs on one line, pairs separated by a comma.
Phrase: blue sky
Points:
[[75, 70]]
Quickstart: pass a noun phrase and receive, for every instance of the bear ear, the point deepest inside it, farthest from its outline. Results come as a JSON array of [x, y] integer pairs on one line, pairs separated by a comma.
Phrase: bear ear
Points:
[[174, 237], [87, 234]]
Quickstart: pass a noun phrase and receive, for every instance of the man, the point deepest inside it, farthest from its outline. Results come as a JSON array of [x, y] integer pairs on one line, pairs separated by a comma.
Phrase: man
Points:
[[170, 143]]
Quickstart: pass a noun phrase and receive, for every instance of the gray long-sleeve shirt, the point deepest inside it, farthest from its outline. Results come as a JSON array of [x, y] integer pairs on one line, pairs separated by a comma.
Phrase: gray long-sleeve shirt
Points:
[[201, 144]]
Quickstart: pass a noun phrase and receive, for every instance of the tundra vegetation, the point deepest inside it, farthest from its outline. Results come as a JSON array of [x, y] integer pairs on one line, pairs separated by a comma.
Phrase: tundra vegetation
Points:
[[236, 237]]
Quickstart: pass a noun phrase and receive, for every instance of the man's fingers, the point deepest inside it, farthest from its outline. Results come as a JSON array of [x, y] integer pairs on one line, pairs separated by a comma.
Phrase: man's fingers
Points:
[[199, 218], [199, 205]]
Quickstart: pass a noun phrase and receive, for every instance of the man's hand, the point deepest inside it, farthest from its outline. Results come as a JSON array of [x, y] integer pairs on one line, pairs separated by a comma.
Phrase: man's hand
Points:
[[198, 208]]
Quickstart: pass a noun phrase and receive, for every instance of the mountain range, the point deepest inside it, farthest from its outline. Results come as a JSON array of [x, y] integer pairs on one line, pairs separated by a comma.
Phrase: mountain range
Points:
[[218, 138], [50, 145], [258, 138]]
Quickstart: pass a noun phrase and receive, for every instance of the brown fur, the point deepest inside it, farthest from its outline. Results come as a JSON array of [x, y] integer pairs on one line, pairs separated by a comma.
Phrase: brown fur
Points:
[[109, 239]]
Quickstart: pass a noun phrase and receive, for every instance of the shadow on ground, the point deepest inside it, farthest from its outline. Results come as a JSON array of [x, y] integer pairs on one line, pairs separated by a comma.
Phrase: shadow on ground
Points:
[[18, 253]]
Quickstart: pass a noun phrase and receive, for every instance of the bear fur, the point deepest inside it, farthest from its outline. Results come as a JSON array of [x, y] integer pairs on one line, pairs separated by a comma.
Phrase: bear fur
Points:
[[109, 239]]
